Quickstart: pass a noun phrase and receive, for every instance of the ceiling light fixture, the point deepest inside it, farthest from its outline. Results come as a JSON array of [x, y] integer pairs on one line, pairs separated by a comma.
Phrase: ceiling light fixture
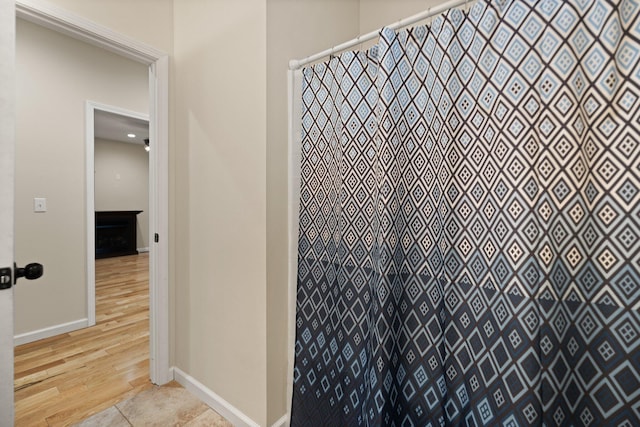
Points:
[[131, 135], [146, 144]]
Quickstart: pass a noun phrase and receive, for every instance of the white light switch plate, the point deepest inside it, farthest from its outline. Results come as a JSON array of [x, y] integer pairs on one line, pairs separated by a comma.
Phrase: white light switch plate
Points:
[[39, 204]]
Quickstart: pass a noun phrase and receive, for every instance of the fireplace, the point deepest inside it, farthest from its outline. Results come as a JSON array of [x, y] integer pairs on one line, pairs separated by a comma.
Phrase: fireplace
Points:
[[116, 233]]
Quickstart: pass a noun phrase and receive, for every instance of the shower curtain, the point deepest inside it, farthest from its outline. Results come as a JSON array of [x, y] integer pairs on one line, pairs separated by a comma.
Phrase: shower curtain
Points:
[[469, 245]]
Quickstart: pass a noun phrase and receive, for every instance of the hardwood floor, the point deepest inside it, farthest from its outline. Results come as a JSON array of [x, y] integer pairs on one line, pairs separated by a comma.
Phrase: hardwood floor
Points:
[[67, 378]]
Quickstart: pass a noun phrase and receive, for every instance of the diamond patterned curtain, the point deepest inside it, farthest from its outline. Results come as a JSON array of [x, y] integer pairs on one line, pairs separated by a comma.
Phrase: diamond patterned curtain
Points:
[[469, 248]]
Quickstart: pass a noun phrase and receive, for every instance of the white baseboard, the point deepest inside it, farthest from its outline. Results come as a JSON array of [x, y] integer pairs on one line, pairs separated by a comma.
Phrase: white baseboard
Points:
[[282, 421], [51, 331], [141, 250], [215, 402]]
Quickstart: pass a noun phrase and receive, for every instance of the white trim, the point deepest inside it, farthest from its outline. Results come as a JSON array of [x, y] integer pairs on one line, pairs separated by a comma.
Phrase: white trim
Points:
[[50, 16], [50, 331], [215, 402], [89, 168], [281, 422], [90, 108], [293, 182], [143, 250], [159, 367]]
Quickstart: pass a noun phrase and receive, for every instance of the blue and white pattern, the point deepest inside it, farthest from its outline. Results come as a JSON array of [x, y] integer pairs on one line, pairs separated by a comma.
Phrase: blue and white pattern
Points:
[[469, 249]]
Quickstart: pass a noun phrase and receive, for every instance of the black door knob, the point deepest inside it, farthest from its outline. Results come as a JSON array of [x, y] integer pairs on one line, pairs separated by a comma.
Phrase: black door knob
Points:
[[29, 272]]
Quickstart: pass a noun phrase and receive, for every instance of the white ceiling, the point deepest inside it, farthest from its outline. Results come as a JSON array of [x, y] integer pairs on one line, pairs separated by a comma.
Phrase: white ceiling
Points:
[[115, 127]]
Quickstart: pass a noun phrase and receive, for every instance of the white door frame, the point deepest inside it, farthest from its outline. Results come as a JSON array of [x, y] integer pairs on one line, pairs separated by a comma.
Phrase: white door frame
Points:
[[90, 194], [54, 18], [7, 138]]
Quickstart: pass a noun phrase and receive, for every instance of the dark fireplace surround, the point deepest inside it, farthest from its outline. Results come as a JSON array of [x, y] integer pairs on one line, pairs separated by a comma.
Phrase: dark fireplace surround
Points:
[[115, 233]]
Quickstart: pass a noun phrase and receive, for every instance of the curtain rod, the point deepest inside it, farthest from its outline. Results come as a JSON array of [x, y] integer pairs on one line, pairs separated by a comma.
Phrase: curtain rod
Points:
[[296, 64]]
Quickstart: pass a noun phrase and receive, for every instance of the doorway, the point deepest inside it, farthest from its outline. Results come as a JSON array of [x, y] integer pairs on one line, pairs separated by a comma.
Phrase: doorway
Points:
[[120, 184], [157, 62]]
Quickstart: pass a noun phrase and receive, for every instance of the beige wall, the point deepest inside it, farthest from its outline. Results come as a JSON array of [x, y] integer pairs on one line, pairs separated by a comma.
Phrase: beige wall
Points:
[[220, 218], [122, 182], [55, 75], [378, 13], [295, 29]]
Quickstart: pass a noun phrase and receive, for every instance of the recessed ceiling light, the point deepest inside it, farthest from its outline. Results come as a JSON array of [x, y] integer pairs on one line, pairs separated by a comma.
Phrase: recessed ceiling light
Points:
[[131, 135]]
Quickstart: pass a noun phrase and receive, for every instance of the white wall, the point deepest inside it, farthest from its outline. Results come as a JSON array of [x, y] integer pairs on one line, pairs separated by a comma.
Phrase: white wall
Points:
[[122, 182], [55, 75]]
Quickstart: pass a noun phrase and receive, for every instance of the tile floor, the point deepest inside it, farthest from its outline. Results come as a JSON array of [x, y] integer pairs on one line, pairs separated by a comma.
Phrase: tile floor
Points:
[[169, 405]]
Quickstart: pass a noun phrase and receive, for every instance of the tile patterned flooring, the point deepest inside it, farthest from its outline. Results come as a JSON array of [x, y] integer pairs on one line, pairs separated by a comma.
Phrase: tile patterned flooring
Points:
[[169, 405]]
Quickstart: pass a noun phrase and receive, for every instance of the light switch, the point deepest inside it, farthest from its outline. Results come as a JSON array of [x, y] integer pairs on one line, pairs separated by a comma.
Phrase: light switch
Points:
[[39, 204]]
